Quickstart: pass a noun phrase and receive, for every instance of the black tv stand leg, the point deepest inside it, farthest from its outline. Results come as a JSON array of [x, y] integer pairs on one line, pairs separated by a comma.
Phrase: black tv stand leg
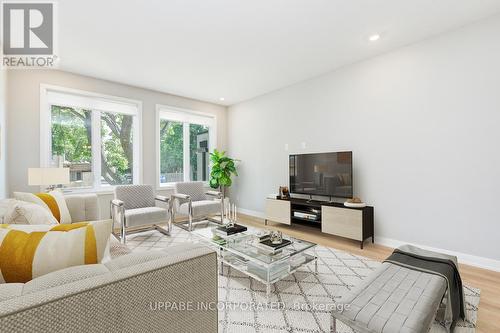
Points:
[[373, 239], [361, 244]]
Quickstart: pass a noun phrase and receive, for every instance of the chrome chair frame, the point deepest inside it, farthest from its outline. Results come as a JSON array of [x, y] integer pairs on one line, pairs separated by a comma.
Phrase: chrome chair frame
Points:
[[179, 196], [117, 207]]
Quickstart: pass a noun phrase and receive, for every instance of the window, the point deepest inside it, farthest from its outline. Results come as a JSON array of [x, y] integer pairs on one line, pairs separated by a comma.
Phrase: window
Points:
[[171, 151], [96, 137], [117, 153], [185, 139], [71, 137], [198, 151]]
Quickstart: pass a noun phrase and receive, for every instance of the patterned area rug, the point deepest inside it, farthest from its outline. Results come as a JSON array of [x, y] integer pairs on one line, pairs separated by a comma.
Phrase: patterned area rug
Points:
[[297, 302]]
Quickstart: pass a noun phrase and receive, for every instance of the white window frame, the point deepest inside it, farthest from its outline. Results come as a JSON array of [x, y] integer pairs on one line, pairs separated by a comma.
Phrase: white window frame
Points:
[[186, 117], [97, 103]]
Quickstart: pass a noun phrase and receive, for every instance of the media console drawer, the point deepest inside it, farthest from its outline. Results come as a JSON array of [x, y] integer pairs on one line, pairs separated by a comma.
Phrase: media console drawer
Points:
[[342, 222], [278, 211]]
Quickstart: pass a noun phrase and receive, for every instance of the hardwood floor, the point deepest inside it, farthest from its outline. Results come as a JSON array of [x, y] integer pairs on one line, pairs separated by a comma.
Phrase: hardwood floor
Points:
[[488, 281]]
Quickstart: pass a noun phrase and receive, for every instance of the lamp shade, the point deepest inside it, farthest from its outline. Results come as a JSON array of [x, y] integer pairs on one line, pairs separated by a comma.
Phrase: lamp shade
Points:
[[48, 176]]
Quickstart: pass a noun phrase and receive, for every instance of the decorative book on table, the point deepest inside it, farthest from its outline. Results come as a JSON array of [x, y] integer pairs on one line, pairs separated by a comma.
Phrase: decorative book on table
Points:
[[268, 243], [237, 228]]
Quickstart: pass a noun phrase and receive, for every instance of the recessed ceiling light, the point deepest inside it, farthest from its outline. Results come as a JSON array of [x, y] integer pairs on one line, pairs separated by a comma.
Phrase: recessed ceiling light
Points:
[[221, 99], [374, 38]]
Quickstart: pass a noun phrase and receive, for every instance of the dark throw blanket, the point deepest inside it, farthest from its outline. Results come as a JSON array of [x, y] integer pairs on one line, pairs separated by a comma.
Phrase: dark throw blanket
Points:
[[443, 267]]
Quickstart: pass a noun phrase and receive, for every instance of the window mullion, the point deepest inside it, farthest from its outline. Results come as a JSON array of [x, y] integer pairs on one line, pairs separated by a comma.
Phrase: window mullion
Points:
[[96, 147], [47, 136], [137, 150], [186, 159]]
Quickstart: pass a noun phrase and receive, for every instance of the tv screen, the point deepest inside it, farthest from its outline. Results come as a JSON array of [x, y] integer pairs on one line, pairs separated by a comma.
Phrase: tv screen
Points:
[[328, 174]]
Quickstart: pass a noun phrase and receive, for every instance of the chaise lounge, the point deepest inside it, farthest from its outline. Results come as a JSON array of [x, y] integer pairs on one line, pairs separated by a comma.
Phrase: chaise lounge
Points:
[[404, 295]]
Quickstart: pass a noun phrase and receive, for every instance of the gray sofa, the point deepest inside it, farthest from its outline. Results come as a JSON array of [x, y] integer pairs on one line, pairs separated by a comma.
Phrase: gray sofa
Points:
[[174, 290]]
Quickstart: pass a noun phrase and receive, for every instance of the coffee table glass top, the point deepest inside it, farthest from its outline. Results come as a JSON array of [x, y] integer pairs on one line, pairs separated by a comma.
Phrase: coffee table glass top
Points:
[[246, 244]]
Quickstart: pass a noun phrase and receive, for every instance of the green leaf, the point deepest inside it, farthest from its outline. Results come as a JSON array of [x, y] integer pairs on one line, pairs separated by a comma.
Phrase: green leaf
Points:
[[214, 183], [223, 167], [225, 181]]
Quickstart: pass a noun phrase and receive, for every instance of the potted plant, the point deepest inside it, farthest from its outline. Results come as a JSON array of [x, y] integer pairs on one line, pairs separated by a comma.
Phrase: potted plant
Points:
[[223, 168]]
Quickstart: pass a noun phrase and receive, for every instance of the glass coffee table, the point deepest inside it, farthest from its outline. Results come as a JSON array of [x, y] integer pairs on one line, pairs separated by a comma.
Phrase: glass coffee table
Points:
[[245, 253]]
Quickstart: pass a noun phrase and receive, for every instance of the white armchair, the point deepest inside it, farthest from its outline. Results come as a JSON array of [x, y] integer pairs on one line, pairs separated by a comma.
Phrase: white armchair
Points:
[[134, 210], [192, 200]]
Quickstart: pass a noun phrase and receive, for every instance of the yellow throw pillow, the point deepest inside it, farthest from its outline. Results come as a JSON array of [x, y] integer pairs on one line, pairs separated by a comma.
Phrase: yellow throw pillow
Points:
[[53, 201], [30, 251]]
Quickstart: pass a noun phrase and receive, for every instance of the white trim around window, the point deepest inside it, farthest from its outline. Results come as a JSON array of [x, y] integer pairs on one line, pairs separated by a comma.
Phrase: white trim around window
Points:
[[186, 117], [55, 95]]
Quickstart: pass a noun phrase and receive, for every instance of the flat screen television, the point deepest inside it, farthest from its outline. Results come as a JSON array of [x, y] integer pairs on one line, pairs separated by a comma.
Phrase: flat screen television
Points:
[[328, 174]]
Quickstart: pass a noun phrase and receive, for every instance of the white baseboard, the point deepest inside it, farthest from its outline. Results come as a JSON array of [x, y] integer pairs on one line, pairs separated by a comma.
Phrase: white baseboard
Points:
[[463, 258], [253, 213]]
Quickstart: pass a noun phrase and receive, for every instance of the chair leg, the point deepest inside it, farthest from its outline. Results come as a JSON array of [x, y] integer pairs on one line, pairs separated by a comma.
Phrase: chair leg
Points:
[[190, 213], [333, 326], [170, 221], [171, 214], [123, 233], [112, 216], [162, 230]]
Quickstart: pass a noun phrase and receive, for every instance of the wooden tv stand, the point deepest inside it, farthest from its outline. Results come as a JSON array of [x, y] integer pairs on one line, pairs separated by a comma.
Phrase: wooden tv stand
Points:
[[332, 217]]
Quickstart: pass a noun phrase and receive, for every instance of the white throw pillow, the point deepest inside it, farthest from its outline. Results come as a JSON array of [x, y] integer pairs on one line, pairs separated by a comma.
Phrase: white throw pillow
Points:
[[30, 197], [21, 212]]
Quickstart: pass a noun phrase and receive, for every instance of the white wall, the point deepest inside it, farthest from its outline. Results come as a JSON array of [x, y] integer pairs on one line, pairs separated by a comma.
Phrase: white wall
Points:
[[423, 123], [3, 129], [23, 136]]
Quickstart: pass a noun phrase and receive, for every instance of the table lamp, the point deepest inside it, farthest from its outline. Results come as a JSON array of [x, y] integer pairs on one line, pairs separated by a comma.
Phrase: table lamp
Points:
[[49, 177]]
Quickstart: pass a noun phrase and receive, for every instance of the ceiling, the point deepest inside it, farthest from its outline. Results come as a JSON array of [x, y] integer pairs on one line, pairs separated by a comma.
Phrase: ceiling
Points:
[[239, 49]]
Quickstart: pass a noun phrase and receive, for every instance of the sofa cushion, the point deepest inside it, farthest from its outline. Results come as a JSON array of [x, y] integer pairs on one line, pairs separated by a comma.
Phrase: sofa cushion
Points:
[[29, 251], [83, 207], [147, 215], [201, 208], [64, 276]]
